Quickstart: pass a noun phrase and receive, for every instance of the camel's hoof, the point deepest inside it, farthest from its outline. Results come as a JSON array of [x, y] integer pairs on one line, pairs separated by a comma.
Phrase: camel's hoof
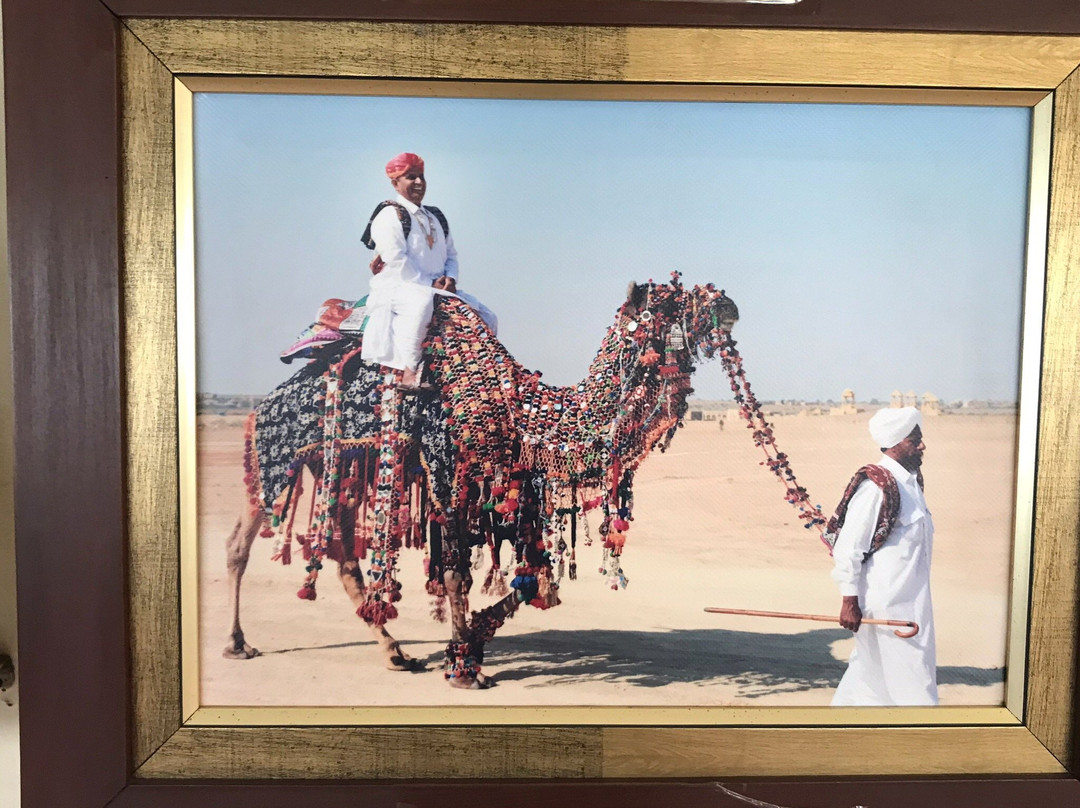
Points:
[[480, 682], [400, 662], [244, 651]]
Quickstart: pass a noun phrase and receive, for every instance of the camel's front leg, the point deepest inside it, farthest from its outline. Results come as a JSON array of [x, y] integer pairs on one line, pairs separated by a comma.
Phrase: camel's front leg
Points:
[[352, 577], [237, 552], [466, 652], [463, 658]]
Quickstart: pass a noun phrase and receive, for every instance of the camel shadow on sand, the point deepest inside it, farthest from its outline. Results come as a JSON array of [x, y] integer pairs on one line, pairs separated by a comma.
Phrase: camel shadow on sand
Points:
[[757, 664]]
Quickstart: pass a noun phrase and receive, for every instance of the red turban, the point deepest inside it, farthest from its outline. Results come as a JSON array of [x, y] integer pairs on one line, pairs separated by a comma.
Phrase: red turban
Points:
[[402, 163]]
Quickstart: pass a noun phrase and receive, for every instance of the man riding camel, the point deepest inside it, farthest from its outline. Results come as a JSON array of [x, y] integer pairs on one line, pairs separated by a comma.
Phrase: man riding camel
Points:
[[415, 260]]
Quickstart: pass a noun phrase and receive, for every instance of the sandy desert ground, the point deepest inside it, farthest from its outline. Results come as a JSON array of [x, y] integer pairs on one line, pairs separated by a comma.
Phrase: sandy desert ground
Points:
[[711, 529]]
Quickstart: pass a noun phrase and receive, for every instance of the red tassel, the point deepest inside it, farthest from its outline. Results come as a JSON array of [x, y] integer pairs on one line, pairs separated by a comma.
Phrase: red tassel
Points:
[[438, 609], [488, 580], [307, 592], [286, 552], [377, 613]]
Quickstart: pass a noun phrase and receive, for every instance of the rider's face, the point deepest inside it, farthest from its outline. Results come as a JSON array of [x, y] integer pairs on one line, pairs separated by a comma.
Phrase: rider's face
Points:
[[411, 185]]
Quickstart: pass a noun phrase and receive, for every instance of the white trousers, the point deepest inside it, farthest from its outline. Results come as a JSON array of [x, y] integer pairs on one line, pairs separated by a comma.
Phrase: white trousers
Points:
[[398, 318]]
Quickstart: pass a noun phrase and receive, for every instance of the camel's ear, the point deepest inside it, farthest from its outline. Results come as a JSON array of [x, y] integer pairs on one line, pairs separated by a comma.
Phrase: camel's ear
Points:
[[635, 297]]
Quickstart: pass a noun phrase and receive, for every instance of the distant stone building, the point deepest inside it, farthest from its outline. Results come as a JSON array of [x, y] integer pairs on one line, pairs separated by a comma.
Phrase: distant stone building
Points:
[[911, 399], [704, 415], [847, 405], [931, 404], [896, 399]]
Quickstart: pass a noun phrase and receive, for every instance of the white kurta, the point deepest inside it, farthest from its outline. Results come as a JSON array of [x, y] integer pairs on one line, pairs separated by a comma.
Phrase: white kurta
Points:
[[893, 584], [399, 303]]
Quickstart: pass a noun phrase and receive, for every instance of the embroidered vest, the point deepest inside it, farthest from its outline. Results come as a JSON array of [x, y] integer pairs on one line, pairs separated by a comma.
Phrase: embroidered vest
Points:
[[404, 218]]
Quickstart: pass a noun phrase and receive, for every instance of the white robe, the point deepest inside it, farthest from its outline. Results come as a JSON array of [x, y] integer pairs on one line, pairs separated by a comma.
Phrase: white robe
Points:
[[399, 304], [893, 584]]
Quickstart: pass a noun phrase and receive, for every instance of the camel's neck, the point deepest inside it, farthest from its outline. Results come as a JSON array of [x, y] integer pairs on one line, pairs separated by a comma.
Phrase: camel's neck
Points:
[[631, 401], [616, 411]]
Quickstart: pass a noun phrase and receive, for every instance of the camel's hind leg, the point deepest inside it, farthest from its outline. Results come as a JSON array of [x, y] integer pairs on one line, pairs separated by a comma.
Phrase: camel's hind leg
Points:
[[352, 577], [237, 552], [393, 656]]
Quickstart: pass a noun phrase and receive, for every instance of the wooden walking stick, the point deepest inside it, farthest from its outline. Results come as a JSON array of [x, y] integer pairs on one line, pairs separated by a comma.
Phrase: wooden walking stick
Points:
[[822, 618]]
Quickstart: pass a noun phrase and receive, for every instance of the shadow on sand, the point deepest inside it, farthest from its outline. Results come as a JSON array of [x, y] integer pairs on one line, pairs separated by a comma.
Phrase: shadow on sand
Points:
[[757, 664]]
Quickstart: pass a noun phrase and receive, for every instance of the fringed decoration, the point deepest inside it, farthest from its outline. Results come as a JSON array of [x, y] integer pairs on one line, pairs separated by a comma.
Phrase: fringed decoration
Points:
[[251, 466], [325, 501], [377, 612], [547, 591], [461, 661], [283, 550], [535, 586], [485, 588], [761, 430], [296, 492], [383, 589], [495, 583], [438, 609]]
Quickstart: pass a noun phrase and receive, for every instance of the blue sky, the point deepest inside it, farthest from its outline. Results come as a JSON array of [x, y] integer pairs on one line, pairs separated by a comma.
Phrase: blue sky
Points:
[[871, 247]]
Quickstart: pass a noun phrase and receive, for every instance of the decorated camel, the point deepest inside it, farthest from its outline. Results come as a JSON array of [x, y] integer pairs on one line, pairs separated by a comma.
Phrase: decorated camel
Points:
[[492, 461]]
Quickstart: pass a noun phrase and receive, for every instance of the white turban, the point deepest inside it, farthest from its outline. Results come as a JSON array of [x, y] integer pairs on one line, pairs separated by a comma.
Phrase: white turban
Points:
[[891, 425]]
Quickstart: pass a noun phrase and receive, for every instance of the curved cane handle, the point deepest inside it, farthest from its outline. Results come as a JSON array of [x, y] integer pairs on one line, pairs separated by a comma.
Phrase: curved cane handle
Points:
[[905, 634]]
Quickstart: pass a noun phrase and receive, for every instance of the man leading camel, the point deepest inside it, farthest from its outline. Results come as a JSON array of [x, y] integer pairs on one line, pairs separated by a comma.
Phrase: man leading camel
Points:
[[882, 567], [415, 260]]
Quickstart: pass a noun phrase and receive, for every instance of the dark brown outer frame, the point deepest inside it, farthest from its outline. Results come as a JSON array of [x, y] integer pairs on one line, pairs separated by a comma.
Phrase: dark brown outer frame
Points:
[[62, 142], [1016, 16]]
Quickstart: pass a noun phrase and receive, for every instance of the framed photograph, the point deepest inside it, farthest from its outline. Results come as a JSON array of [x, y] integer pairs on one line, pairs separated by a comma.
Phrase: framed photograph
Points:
[[708, 517], [894, 229]]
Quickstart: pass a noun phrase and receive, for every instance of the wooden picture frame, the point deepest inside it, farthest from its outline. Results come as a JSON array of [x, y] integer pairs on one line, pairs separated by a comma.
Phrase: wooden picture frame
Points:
[[91, 209]]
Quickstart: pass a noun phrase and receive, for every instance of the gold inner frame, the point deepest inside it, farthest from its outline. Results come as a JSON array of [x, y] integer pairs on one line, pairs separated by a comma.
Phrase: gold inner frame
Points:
[[167, 741], [198, 715]]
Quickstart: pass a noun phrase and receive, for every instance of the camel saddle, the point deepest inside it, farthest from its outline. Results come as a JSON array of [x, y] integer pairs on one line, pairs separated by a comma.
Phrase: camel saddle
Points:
[[336, 320]]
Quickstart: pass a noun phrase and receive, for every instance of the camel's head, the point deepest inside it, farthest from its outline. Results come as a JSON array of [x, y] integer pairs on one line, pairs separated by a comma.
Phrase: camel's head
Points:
[[720, 310], [698, 318]]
